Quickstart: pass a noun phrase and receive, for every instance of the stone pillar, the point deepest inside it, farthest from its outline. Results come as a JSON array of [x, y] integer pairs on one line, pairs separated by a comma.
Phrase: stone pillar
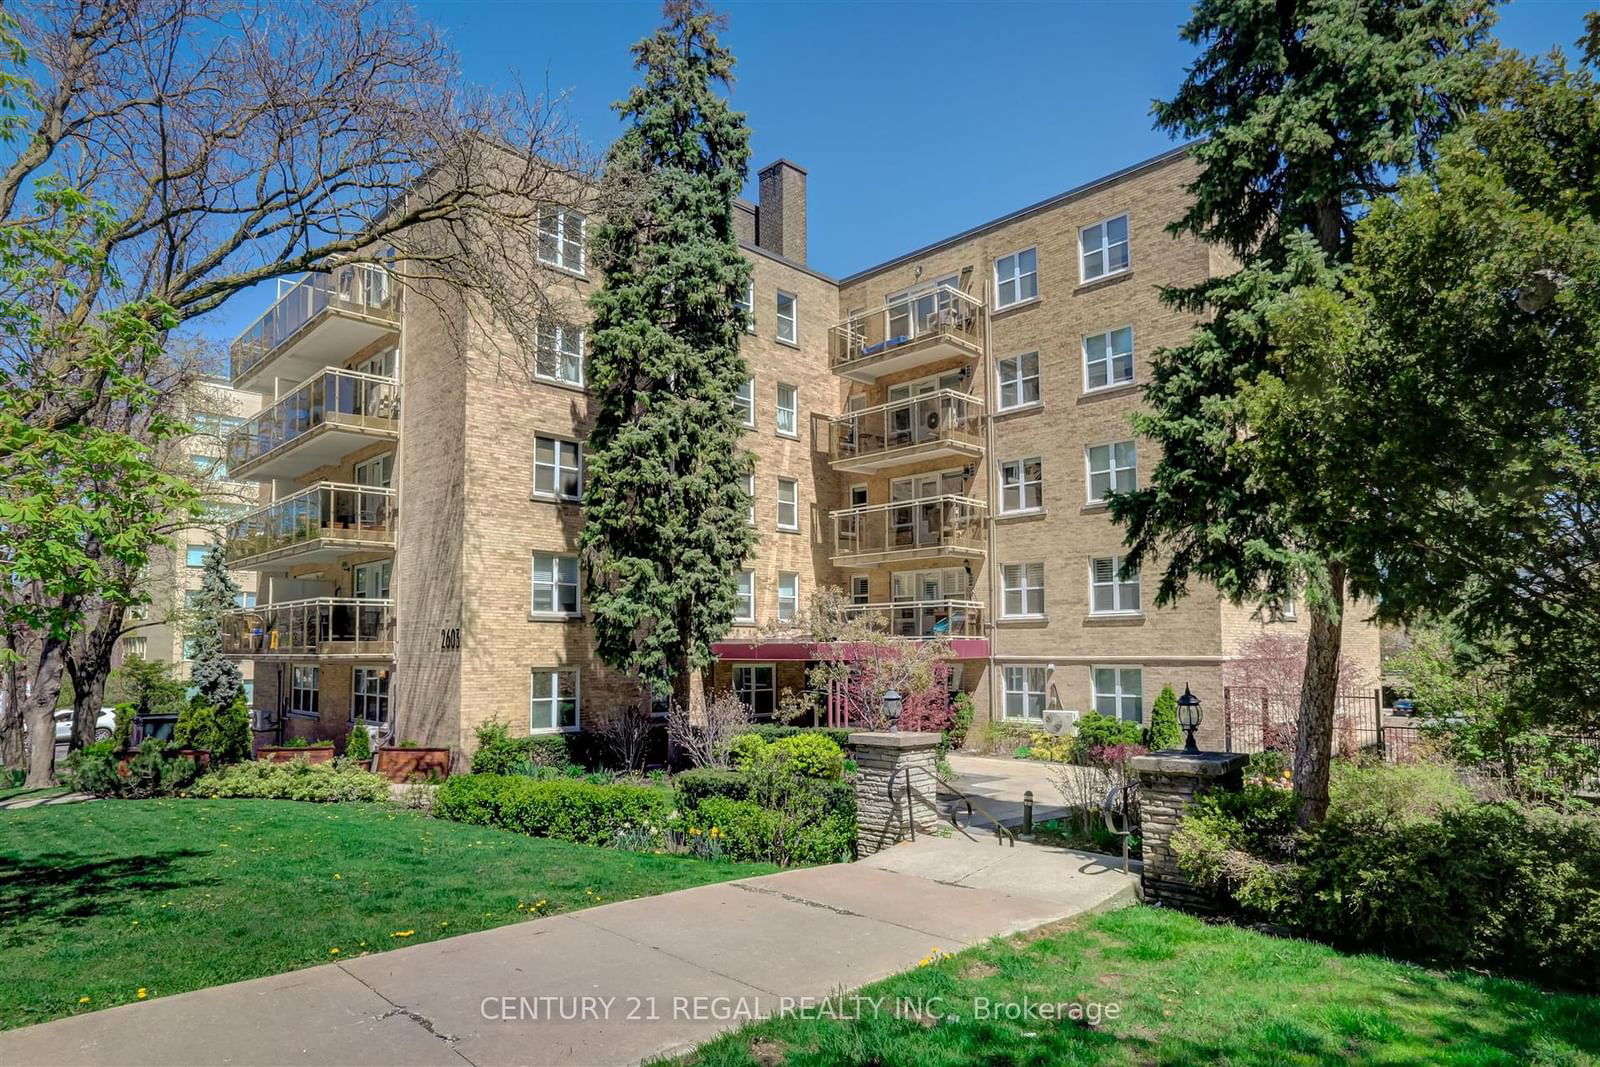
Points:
[[881, 757], [1168, 781]]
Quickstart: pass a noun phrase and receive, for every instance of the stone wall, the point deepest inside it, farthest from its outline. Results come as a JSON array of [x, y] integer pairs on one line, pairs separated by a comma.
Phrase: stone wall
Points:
[[882, 757], [1168, 782]]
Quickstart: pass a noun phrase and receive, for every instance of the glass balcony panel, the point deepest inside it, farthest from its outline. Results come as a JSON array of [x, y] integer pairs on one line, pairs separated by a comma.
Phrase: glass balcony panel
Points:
[[944, 321], [322, 626], [333, 397], [931, 420], [920, 619], [326, 511], [357, 288], [941, 522]]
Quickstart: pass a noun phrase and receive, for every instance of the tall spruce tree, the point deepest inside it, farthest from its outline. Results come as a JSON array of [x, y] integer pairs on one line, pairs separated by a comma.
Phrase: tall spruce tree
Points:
[[217, 678], [1307, 109], [665, 534]]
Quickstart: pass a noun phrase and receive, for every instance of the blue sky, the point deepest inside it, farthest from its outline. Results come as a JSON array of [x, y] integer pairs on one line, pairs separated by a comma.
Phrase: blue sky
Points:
[[913, 120]]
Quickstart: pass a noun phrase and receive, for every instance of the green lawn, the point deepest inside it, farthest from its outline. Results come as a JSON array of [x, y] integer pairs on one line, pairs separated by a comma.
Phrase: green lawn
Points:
[[1188, 993], [102, 899]]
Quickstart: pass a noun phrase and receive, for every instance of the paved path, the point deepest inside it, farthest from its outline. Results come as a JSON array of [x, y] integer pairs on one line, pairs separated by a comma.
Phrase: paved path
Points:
[[737, 947], [997, 784], [37, 798]]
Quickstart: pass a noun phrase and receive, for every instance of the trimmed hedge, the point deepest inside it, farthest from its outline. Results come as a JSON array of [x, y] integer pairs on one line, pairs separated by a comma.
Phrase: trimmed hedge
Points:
[[770, 813], [772, 732], [563, 808], [295, 780]]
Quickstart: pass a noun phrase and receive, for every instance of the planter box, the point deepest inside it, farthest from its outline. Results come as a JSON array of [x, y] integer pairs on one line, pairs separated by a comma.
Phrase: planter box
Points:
[[286, 753], [399, 764]]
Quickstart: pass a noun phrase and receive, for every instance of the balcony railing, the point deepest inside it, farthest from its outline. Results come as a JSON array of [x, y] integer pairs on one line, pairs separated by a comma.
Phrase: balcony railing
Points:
[[919, 427], [355, 289], [930, 527], [920, 328], [343, 398], [927, 618], [327, 511], [323, 626]]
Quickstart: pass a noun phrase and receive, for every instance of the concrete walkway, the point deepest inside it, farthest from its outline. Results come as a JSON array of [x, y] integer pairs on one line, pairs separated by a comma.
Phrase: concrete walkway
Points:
[[614, 984], [998, 783]]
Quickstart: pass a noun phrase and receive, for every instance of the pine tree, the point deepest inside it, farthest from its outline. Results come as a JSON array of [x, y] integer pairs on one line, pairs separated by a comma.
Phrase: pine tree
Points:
[[217, 679], [1164, 730], [1307, 109], [665, 535]]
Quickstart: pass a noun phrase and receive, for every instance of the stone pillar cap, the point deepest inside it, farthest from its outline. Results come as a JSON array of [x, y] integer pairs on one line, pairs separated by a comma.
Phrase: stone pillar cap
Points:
[[886, 739], [1194, 764]]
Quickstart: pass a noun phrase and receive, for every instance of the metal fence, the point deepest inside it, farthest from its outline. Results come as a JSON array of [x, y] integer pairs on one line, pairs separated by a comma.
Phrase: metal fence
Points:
[[1255, 718]]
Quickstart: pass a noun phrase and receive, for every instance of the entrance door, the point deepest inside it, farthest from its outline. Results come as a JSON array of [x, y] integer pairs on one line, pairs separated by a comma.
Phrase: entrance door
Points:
[[371, 580]]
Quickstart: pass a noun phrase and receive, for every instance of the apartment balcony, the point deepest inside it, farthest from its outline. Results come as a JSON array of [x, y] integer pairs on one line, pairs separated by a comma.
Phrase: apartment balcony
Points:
[[321, 321], [920, 330], [939, 425], [350, 628], [939, 529], [316, 525], [332, 413], [921, 619]]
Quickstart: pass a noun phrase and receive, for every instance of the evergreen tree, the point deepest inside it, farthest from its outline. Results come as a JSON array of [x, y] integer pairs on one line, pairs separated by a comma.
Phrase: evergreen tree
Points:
[[664, 534], [1307, 109], [218, 680], [1164, 729]]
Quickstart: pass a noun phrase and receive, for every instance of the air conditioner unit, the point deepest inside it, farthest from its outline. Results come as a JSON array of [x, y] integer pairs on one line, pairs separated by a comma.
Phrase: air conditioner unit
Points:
[[1061, 723]]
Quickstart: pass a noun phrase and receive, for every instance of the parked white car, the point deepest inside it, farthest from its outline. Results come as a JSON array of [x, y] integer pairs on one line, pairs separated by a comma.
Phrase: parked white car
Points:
[[104, 726]]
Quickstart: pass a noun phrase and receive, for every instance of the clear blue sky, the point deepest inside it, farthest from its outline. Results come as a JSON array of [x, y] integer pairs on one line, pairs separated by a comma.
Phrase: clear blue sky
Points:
[[914, 120]]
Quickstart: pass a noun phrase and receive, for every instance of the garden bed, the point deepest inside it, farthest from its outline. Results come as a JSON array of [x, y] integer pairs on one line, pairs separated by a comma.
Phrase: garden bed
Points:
[[408, 764], [287, 753]]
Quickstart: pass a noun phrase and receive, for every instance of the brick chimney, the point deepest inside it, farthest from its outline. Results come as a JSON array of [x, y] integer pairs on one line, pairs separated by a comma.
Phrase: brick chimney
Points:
[[781, 211]]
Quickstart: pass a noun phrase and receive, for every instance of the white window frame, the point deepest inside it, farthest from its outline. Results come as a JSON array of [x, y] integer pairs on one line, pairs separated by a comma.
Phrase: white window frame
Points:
[[1017, 679], [750, 491], [373, 467], [791, 320], [1014, 481], [305, 698], [749, 305], [557, 468], [1016, 275], [189, 555], [1118, 587], [793, 504], [554, 584], [559, 256], [1121, 695], [1018, 381], [136, 645], [1019, 578], [792, 409], [755, 670], [745, 597], [788, 601], [1112, 470], [745, 397], [1110, 359], [553, 701], [362, 699], [860, 590], [1104, 248], [558, 352]]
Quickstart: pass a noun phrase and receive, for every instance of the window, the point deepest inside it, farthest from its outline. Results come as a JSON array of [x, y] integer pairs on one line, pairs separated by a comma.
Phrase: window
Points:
[[1023, 585], [134, 646], [369, 695], [756, 685], [1104, 248], [553, 700], [195, 555], [1016, 278], [1025, 692], [748, 303], [215, 425], [561, 238], [1119, 692], [788, 321], [750, 491], [1108, 359], [788, 596], [303, 690], [1021, 485], [560, 353], [245, 599], [371, 579], [377, 472], [860, 590], [1112, 468], [1109, 593], [788, 504], [555, 584], [555, 469], [744, 401], [1019, 381], [788, 410], [745, 608]]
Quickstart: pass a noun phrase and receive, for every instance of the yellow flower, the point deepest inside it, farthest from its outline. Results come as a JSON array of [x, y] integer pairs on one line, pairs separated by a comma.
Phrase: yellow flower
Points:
[[402, 933], [83, 1000], [333, 951], [136, 922], [143, 992], [445, 923], [338, 877]]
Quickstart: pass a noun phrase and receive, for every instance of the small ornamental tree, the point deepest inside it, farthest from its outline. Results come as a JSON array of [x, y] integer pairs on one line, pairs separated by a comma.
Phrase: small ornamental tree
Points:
[[1164, 729], [665, 535], [217, 679]]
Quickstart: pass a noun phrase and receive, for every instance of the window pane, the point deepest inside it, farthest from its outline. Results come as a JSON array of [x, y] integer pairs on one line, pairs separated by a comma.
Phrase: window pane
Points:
[[1029, 285], [1007, 292], [1027, 262]]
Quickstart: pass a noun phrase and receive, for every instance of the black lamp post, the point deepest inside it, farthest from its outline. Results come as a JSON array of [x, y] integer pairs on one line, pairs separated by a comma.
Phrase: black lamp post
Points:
[[891, 709], [1189, 717]]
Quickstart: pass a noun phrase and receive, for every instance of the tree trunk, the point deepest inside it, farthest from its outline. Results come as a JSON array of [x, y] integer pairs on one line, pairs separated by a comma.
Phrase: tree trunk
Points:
[[13, 750], [41, 706], [89, 665], [1319, 689], [697, 697]]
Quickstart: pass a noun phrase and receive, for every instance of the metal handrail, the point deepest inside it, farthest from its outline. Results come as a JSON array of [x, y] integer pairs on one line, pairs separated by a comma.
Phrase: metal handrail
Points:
[[971, 614], [906, 401], [942, 498], [361, 288], [1001, 833]]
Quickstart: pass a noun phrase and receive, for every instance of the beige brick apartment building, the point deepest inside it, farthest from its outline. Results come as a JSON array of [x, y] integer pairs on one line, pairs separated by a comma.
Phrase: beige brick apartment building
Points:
[[933, 435]]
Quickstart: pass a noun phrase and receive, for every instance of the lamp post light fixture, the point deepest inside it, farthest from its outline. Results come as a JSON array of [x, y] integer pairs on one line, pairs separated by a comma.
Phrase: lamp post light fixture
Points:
[[1189, 717], [891, 709]]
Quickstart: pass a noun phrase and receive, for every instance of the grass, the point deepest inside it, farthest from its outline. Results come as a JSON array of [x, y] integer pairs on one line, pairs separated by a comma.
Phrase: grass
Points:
[[1188, 992], [103, 899]]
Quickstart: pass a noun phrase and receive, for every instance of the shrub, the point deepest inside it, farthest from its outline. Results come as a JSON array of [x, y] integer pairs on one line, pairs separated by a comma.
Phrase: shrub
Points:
[[695, 786], [122, 733], [1049, 747], [810, 755], [154, 771], [295, 780], [962, 710], [747, 750], [774, 731], [1164, 730], [359, 745], [744, 828], [565, 809], [804, 820], [1100, 731], [224, 732], [498, 752]]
